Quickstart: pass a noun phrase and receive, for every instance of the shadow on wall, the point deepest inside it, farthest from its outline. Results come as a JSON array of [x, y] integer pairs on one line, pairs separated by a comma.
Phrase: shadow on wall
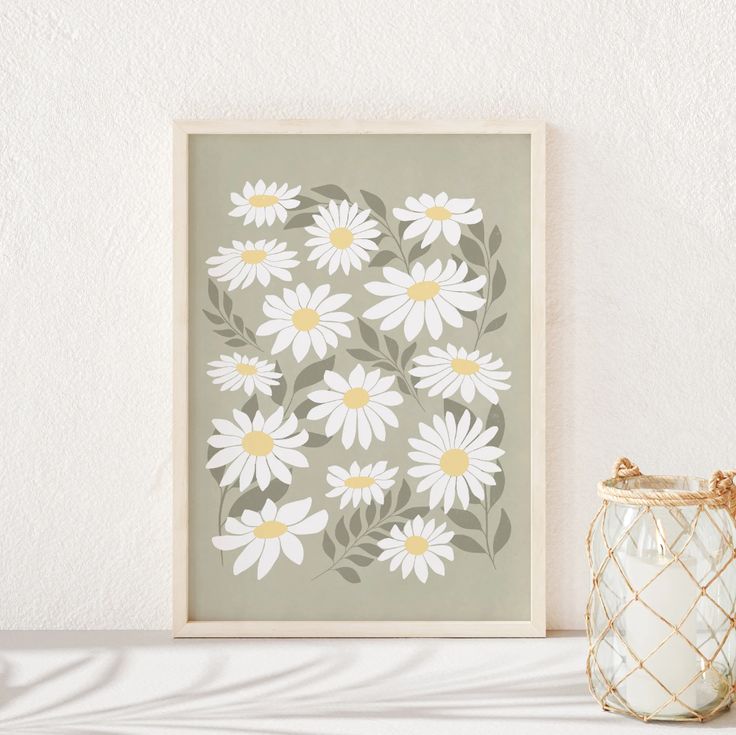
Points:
[[277, 687]]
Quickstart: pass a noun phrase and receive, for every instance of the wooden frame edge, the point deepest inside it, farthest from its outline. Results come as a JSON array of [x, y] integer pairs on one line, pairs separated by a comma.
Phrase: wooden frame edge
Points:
[[182, 627]]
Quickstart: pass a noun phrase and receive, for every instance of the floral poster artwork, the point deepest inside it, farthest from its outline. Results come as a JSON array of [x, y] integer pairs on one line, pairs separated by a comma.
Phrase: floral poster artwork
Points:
[[359, 378]]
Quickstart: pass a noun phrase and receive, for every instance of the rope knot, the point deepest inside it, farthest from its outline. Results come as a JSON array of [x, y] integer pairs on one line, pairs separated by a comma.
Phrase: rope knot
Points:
[[722, 486], [624, 467]]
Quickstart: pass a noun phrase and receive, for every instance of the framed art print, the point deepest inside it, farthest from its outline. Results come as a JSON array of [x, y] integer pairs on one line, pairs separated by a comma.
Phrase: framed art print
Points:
[[359, 379]]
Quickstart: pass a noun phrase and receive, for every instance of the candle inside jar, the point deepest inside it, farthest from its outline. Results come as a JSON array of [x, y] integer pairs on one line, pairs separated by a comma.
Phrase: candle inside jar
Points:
[[675, 663]]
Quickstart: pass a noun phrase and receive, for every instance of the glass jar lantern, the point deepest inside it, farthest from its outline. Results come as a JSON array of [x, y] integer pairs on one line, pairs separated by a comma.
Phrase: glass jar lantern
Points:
[[661, 615]]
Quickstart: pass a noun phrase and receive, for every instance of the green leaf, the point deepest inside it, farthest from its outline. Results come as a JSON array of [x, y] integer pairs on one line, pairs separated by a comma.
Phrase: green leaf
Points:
[[237, 342], [498, 285], [300, 219], [378, 535], [250, 334], [331, 191], [411, 513], [503, 532], [278, 391], [382, 258], [251, 405], [370, 513], [316, 440], [341, 533], [385, 366], [455, 408], [255, 498], [407, 354], [214, 294], [497, 323], [496, 418], [313, 373], [306, 202], [227, 304], [356, 524], [328, 545], [478, 231], [348, 574], [494, 241], [361, 561], [238, 322], [393, 347], [472, 251], [402, 229], [494, 492], [304, 408], [404, 495], [386, 507], [465, 543], [374, 202], [371, 549], [464, 519], [368, 334], [225, 332], [415, 252], [403, 387], [363, 355], [214, 318]]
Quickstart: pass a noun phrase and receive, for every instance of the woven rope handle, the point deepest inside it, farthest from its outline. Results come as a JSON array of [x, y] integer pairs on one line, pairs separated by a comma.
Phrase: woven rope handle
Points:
[[722, 485], [624, 468]]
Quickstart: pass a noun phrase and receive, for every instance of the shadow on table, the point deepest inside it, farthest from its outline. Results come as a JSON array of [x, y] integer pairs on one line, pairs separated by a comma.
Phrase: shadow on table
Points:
[[322, 689]]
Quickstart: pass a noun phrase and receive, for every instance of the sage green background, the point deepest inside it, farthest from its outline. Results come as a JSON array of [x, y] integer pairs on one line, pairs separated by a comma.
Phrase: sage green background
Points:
[[495, 169]]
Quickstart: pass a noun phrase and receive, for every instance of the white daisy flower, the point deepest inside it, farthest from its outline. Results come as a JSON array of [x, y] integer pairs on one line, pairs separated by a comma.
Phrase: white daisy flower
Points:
[[263, 204], [233, 372], [244, 262], [360, 405], [261, 447], [342, 235], [266, 534], [305, 318], [448, 371], [418, 548], [454, 459], [437, 215], [356, 484], [430, 297]]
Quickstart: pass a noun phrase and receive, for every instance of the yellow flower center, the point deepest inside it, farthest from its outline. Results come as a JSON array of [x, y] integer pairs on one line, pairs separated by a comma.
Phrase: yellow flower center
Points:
[[416, 545], [245, 369], [356, 398], [341, 238], [423, 290], [454, 462], [270, 529], [262, 200], [358, 482], [257, 443], [253, 256], [464, 367], [305, 319], [439, 213]]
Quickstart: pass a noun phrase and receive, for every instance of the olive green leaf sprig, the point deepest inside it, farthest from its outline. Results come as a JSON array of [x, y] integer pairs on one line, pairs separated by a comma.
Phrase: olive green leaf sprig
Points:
[[352, 543], [232, 327]]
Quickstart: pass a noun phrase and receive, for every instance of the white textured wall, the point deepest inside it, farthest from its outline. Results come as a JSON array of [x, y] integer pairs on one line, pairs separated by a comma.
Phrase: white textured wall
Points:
[[640, 101]]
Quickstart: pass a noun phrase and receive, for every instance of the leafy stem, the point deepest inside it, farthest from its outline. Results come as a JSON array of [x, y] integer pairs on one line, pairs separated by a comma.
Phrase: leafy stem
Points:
[[384, 221], [485, 523], [396, 515], [412, 390], [240, 331], [479, 326]]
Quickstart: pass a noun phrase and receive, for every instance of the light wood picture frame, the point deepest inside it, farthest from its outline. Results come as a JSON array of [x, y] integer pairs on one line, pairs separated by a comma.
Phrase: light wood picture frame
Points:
[[205, 156]]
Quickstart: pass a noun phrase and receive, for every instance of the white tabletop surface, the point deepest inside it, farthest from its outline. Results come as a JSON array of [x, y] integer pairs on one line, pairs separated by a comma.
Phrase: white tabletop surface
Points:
[[133, 682]]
